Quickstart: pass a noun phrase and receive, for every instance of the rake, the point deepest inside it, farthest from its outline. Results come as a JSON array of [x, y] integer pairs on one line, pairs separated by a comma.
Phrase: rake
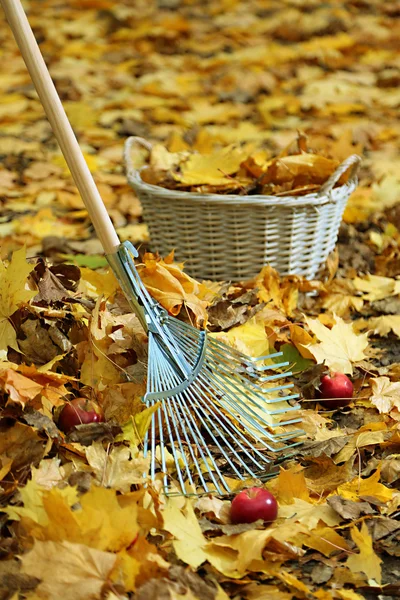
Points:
[[217, 412]]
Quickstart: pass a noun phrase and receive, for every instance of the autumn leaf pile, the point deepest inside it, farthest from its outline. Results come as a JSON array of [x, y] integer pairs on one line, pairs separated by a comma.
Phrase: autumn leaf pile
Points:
[[235, 169], [76, 521]]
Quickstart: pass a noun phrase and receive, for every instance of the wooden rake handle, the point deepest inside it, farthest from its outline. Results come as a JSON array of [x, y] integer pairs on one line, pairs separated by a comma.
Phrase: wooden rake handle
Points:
[[62, 129]]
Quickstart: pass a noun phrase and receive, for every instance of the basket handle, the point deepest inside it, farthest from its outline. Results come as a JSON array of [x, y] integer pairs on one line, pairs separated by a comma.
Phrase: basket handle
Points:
[[352, 161], [128, 149]]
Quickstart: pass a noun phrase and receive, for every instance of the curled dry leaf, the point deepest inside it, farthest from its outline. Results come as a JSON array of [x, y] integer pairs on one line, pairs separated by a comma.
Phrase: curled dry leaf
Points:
[[173, 288]]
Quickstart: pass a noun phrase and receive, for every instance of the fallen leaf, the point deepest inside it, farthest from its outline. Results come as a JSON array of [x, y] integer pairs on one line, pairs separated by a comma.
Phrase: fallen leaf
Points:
[[171, 287], [358, 487], [21, 389], [211, 168], [381, 325], [366, 561], [70, 571], [117, 467], [309, 514], [339, 347], [349, 509], [13, 293], [188, 541], [98, 520], [376, 287], [385, 394], [291, 484]]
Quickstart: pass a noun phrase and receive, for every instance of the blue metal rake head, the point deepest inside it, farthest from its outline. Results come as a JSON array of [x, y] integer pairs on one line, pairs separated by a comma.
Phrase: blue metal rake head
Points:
[[222, 414]]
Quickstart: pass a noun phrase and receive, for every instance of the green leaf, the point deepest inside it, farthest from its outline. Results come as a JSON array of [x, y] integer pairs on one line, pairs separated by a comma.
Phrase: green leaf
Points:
[[93, 261], [296, 362]]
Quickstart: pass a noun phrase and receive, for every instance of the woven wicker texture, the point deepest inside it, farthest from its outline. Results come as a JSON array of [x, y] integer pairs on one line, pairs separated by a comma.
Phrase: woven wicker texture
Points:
[[232, 237]]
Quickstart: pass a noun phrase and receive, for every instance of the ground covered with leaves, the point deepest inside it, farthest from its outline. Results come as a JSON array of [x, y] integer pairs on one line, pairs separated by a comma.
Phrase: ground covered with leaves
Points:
[[76, 521]]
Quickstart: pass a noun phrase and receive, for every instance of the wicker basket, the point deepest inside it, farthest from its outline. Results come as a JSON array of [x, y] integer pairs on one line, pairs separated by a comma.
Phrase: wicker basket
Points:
[[230, 237]]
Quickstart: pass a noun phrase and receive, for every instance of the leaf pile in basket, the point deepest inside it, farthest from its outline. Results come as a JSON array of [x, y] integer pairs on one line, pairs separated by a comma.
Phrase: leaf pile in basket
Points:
[[238, 169]]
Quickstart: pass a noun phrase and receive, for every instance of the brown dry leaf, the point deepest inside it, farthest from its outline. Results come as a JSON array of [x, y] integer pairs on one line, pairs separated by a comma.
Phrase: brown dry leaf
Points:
[[339, 347], [349, 509], [120, 402], [70, 571], [366, 561], [324, 476], [21, 444]]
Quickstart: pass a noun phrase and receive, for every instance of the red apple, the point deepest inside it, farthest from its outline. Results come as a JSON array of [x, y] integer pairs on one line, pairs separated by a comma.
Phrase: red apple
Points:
[[77, 412], [253, 504], [335, 390]]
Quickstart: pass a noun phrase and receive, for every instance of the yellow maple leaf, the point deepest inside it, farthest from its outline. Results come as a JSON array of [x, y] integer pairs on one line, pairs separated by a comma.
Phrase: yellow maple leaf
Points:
[[382, 325], [182, 523], [119, 468], [249, 338], [100, 521], [339, 347], [341, 298], [325, 540], [291, 484], [280, 292], [367, 561], [211, 169], [357, 487], [309, 514], [13, 293], [385, 394], [68, 571], [376, 287], [104, 284], [232, 555], [97, 369]]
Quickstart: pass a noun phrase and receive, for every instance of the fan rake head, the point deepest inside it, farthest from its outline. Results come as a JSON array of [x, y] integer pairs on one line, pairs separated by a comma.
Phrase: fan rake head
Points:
[[219, 414]]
